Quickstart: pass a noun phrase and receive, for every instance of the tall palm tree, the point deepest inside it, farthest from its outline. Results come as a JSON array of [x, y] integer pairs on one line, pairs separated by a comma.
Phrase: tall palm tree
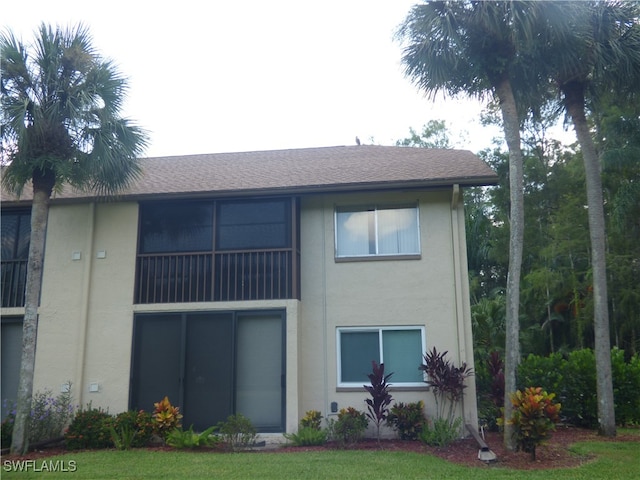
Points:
[[599, 53], [473, 48], [60, 124]]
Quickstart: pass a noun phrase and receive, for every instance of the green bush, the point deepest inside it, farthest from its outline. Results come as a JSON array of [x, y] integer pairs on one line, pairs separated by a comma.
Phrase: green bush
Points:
[[443, 432], [548, 372], [407, 420], [49, 415], [578, 393], [307, 436], [179, 438], [7, 429], [574, 380], [89, 429], [349, 427], [626, 387], [237, 432], [130, 429]]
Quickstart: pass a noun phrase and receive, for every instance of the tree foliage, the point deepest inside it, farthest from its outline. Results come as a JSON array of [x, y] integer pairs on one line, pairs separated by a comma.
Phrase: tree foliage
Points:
[[61, 126]]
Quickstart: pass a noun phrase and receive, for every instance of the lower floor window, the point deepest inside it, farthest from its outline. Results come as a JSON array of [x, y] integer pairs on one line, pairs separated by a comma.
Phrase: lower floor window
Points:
[[212, 365], [11, 353], [399, 348]]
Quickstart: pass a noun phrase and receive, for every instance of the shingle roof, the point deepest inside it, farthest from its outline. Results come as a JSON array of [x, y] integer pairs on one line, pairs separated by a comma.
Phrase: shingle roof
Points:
[[325, 169]]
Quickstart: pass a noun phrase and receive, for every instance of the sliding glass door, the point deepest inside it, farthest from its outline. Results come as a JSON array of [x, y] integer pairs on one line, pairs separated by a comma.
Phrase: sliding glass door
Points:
[[212, 364]]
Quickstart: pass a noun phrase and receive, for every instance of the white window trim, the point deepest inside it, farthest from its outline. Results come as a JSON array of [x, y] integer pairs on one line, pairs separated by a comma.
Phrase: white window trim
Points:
[[375, 208], [339, 330]]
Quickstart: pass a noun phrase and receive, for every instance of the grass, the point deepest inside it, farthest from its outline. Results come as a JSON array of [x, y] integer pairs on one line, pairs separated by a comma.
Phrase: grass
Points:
[[617, 460]]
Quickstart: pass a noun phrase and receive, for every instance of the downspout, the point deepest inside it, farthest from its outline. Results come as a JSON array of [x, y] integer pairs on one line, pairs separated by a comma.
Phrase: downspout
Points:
[[325, 333], [84, 311], [459, 308]]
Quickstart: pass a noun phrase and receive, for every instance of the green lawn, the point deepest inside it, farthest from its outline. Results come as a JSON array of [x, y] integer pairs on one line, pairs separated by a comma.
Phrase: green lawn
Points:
[[619, 460]]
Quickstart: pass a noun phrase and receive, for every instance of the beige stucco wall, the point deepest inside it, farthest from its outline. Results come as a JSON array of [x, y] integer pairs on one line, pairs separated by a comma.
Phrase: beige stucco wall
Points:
[[383, 293], [86, 311], [86, 314]]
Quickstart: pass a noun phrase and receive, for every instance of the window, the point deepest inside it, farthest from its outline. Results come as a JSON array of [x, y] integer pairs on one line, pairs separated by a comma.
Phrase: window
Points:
[[176, 227], [11, 353], [245, 225], [377, 231], [399, 348], [16, 233]]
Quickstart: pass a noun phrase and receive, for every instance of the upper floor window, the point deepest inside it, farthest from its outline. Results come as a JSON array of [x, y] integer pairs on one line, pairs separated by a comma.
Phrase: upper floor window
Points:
[[176, 227], [16, 233], [246, 225], [377, 231]]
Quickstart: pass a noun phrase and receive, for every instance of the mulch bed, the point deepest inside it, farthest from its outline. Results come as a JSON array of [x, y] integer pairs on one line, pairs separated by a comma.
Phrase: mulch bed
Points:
[[554, 454]]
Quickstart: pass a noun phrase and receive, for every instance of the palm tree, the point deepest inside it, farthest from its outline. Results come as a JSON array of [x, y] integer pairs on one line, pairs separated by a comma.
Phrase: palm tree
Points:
[[599, 54], [472, 48], [60, 124]]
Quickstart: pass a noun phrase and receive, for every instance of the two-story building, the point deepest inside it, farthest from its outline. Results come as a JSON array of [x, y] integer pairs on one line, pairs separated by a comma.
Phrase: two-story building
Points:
[[261, 283]]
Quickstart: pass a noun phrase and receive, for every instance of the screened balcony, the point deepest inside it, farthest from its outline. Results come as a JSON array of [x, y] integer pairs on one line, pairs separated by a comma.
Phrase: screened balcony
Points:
[[252, 251]]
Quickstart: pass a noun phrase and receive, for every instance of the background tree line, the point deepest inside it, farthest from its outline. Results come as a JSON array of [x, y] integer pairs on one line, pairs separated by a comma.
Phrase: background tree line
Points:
[[556, 302]]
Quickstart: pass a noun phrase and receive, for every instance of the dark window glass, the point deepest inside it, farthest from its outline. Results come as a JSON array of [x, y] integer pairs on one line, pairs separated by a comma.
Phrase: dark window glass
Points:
[[16, 231], [156, 360], [176, 227], [211, 365], [253, 225]]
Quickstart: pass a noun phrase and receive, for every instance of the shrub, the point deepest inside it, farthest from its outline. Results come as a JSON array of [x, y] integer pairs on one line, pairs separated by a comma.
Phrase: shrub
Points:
[[626, 387], [442, 433], [307, 436], [349, 428], [237, 432], [89, 429], [7, 425], [407, 419], [446, 382], [49, 415], [179, 438], [312, 419], [130, 429], [547, 372], [578, 394], [47, 420], [166, 417], [378, 404], [575, 378], [534, 417]]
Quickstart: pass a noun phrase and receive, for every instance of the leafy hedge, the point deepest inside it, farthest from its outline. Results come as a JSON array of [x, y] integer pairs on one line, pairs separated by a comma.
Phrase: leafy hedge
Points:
[[573, 379]]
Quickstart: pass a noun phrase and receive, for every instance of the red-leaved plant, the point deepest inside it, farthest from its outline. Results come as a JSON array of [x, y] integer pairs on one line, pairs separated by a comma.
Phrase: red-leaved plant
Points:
[[446, 382], [378, 404]]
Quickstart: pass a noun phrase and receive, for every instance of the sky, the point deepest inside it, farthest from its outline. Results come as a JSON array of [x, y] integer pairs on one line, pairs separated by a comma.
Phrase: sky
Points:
[[227, 76]]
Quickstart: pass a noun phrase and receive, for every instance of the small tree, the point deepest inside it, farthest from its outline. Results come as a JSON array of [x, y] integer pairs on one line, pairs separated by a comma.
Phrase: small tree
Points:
[[378, 404]]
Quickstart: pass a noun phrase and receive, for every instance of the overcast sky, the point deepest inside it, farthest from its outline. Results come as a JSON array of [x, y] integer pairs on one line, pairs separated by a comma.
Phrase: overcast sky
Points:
[[223, 76]]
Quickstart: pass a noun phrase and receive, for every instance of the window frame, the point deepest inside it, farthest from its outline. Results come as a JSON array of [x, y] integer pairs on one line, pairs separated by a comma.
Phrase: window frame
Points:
[[379, 330], [377, 256]]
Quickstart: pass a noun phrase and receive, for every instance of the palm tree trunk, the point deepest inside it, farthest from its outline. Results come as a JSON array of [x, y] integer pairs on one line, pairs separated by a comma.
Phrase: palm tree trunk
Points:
[[511, 125], [574, 103], [39, 217]]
